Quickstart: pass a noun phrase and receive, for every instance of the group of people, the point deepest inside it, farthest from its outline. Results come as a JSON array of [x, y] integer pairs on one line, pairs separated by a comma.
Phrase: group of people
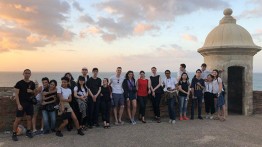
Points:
[[80, 103]]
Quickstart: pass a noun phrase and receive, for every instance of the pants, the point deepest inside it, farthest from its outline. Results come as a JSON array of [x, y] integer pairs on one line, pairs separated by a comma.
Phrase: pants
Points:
[[209, 102], [106, 107], [142, 105], [156, 103], [75, 107], [199, 102], [46, 115], [171, 108], [93, 111], [182, 104]]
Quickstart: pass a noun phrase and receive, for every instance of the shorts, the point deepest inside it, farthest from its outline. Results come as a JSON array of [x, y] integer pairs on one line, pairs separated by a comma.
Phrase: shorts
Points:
[[118, 99], [28, 109], [220, 101], [37, 108], [132, 96]]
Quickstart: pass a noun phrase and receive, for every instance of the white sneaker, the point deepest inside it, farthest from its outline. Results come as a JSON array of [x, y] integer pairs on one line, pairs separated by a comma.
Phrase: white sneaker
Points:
[[211, 117], [133, 122], [207, 116], [170, 120], [173, 121]]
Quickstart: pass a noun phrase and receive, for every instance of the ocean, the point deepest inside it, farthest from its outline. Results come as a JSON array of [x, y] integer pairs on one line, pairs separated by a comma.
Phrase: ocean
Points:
[[9, 79]]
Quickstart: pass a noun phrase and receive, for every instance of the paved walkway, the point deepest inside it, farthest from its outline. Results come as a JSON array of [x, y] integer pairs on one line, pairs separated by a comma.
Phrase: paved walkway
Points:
[[236, 131]]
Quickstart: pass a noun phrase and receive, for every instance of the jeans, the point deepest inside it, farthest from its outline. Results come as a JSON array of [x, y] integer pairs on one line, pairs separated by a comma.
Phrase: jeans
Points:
[[182, 104], [156, 103], [171, 108], [142, 105], [106, 105], [209, 102], [93, 111], [46, 115], [199, 102]]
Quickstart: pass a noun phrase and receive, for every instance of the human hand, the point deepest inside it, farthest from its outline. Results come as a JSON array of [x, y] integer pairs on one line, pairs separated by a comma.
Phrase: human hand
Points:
[[20, 107]]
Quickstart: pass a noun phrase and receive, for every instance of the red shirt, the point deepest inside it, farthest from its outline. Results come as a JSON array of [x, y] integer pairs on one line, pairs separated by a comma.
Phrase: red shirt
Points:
[[142, 87]]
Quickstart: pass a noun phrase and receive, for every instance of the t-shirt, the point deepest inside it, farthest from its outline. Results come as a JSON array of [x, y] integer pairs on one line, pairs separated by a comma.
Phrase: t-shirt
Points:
[[39, 95], [94, 84], [216, 83], [184, 86], [106, 91], [116, 84], [209, 87], [204, 74], [142, 87], [169, 83], [22, 85], [154, 82], [51, 94], [66, 92], [81, 92], [198, 91]]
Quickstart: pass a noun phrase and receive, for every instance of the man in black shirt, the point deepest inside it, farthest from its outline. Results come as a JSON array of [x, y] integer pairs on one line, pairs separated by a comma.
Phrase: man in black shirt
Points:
[[24, 92], [94, 88]]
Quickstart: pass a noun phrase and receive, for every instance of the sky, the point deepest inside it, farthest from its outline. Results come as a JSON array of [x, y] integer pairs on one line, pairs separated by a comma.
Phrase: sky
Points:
[[66, 35]]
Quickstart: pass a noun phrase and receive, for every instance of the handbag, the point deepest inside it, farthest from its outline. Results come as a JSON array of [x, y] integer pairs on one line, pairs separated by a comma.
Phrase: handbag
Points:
[[32, 100]]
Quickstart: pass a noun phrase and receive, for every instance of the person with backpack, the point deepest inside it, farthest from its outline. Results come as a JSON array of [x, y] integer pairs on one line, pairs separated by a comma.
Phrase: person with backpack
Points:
[[183, 94]]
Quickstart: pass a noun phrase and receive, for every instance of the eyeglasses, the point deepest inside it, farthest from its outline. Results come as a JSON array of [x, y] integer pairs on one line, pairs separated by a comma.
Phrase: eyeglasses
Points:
[[167, 73]]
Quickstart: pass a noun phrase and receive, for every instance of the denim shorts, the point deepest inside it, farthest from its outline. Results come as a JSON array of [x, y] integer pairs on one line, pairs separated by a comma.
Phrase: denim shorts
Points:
[[220, 101], [118, 99]]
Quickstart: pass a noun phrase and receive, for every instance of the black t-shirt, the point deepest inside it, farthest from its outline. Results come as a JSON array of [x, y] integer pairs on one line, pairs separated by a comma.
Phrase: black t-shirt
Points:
[[106, 91], [94, 84], [51, 94], [24, 96], [198, 91], [155, 82], [184, 86]]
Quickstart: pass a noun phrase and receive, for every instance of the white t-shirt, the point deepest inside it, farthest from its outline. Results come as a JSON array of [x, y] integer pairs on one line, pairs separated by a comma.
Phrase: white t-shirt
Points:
[[204, 74], [169, 83], [39, 95], [179, 73], [81, 93], [216, 83], [116, 84], [209, 87], [66, 92]]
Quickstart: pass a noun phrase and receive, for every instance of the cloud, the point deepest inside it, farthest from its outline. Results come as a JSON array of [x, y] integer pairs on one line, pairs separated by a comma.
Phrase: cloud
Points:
[[189, 37], [32, 24], [89, 31], [255, 11], [128, 18], [77, 6]]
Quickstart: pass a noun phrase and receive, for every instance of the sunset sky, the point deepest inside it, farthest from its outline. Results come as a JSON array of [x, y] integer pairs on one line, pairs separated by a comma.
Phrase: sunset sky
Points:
[[66, 35]]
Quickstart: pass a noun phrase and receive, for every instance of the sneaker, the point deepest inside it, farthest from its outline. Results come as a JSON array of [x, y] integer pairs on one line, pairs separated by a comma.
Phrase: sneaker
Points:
[[29, 134], [211, 117], [14, 137], [181, 118], [200, 117], [79, 131], [116, 123], [133, 122], [158, 120], [59, 134], [170, 120], [207, 116], [185, 118], [173, 122]]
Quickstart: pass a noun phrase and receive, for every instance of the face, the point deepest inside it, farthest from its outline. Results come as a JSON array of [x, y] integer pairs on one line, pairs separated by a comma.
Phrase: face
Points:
[[142, 75], [214, 73], [69, 76], [27, 74], [52, 85], [167, 74], [203, 68], [130, 75], [84, 71], [209, 78], [182, 68], [198, 73], [64, 84], [105, 82], [153, 70], [45, 83], [81, 82], [118, 71], [184, 76], [95, 73]]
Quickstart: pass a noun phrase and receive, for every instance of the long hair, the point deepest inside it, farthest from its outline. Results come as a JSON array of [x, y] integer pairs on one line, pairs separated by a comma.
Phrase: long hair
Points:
[[128, 74], [72, 78], [217, 73], [181, 79], [81, 78]]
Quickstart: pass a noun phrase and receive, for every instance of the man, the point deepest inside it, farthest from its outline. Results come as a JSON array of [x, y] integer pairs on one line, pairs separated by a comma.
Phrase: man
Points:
[[205, 72], [181, 70], [94, 88], [197, 86], [85, 73], [116, 82], [24, 92], [40, 89], [170, 89]]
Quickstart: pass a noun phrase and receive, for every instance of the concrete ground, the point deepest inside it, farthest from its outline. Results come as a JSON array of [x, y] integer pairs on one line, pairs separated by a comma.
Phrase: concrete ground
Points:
[[236, 131]]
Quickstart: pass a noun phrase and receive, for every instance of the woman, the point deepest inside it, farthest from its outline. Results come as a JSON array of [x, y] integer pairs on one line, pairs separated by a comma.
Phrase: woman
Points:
[[65, 96], [184, 91], [81, 93], [143, 89], [129, 87], [106, 96], [49, 98], [219, 98], [73, 103], [209, 97], [156, 92]]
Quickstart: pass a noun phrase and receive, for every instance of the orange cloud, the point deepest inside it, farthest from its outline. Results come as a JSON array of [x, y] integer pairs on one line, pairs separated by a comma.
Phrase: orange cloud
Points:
[[189, 37], [141, 28]]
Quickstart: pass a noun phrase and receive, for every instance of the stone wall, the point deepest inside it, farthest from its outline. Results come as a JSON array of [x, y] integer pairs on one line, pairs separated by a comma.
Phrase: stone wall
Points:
[[257, 102]]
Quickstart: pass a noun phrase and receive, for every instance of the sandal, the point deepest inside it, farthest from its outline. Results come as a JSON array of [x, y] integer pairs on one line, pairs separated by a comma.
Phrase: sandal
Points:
[[222, 119]]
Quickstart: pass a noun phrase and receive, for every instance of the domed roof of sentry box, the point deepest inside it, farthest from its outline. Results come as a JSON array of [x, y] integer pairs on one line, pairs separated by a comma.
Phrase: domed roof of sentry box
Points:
[[229, 37]]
